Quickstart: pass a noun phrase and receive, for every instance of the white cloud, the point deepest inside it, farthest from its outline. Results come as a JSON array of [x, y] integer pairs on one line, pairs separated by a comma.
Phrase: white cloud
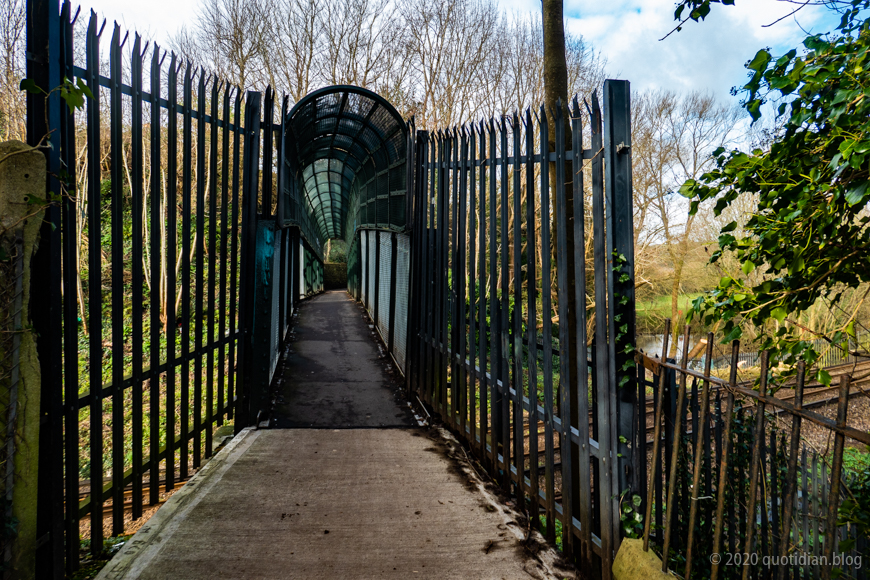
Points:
[[708, 56], [154, 19]]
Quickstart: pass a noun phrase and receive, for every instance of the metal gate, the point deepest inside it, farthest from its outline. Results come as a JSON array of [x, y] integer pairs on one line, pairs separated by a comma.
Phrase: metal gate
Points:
[[496, 346]]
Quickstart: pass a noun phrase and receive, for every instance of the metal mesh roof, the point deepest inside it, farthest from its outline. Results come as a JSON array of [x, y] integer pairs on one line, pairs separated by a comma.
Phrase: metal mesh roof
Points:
[[343, 137]]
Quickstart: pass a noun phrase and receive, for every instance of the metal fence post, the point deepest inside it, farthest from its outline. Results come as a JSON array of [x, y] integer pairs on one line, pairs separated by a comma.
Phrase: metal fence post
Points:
[[250, 182], [43, 31], [620, 287]]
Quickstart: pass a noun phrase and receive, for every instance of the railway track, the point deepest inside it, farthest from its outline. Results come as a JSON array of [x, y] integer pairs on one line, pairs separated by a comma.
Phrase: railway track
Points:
[[84, 493], [812, 390]]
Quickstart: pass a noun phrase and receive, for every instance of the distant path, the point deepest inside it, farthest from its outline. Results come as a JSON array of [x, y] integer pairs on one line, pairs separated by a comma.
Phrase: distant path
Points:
[[335, 375]]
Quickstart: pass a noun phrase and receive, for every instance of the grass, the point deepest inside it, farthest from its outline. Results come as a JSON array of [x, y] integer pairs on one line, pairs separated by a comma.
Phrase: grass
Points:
[[660, 306]]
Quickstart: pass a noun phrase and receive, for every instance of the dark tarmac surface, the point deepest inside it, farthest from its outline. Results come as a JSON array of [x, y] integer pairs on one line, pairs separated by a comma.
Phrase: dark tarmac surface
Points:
[[337, 375]]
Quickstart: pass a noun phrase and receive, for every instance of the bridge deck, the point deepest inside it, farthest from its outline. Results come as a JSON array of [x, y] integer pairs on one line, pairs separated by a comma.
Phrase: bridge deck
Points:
[[365, 493]]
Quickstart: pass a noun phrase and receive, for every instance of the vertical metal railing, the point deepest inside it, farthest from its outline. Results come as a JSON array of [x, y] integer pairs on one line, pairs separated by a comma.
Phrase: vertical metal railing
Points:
[[157, 244], [733, 470], [491, 342]]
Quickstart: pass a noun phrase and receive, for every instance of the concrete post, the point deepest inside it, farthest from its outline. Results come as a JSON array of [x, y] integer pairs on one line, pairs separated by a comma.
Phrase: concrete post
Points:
[[22, 178]]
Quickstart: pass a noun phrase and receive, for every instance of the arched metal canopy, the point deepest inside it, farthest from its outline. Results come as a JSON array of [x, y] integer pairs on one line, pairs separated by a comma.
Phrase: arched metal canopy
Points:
[[342, 140]]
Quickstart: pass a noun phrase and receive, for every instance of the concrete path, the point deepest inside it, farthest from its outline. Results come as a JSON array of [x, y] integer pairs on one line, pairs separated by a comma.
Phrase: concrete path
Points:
[[327, 503]]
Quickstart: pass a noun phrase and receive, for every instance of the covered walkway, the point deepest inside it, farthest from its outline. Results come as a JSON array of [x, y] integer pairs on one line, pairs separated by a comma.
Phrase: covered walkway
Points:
[[355, 489]]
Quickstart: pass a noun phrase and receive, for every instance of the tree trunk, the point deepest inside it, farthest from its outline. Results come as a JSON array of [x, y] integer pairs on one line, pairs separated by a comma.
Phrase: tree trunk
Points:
[[676, 319], [556, 88]]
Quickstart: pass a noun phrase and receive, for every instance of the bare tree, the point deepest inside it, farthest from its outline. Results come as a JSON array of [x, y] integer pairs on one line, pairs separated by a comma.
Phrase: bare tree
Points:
[[446, 60], [674, 137], [12, 102], [229, 38], [293, 50]]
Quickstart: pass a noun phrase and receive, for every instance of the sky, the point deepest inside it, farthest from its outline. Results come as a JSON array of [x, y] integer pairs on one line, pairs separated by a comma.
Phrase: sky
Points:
[[707, 56]]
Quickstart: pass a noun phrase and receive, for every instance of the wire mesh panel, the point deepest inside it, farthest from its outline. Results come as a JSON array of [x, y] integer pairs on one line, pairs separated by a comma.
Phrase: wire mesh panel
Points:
[[370, 270], [384, 284], [302, 290], [403, 262]]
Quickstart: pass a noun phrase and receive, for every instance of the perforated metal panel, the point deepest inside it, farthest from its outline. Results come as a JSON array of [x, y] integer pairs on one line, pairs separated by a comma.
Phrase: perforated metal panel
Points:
[[301, 270], [384, 284], [364, 254], [403, 264], [370, 268]]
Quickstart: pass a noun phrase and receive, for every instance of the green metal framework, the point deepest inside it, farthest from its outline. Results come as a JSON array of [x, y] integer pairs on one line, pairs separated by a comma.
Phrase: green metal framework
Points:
[[346, 149]]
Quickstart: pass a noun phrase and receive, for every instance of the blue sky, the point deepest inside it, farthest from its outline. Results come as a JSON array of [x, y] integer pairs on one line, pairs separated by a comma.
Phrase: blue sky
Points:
[[708, 56]]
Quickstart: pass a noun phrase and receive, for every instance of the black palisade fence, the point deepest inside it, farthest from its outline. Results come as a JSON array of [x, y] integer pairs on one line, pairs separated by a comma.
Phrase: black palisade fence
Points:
[[728, 464], [498, 255], [143, 271]]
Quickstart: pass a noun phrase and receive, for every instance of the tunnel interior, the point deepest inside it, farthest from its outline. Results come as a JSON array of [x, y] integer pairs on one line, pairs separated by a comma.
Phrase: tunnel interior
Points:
[[345, 150]]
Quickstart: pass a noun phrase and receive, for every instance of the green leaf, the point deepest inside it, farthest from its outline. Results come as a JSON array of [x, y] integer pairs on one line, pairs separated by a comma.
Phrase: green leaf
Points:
[[753, 107], [824, 377], [857, 194], [83, 86], [31, 87], [747, 267], [759, 62], [779, 313], [735, 333]]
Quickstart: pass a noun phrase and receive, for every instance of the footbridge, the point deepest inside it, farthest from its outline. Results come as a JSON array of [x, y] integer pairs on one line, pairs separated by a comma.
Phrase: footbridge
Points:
[[451, 414]]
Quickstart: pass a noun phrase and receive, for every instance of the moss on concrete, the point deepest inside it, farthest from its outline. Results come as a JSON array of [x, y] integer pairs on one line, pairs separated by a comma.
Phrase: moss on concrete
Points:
[[22, 178], [632, 563]]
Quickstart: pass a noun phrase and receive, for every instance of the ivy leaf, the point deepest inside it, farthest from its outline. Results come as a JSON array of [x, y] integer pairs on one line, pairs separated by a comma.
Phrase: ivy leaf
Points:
[[83, 86], [857, 194], [735, 333], [779, 313]]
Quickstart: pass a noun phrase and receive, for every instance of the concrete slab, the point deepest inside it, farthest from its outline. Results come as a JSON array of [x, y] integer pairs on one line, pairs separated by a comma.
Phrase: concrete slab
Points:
[[336, 374], [366, 503]]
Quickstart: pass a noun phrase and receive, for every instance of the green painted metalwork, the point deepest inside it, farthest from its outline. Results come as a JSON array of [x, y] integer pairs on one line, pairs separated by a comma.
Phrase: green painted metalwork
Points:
[[345, 148]]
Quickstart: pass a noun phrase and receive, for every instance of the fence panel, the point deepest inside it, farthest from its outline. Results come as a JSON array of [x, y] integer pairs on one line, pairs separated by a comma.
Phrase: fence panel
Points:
[[488, 198], [158, 192], [755, 488], [400, 341]]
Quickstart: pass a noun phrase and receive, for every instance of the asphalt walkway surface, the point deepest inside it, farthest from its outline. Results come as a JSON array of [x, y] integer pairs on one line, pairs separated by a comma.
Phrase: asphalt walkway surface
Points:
[[348, 486]]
